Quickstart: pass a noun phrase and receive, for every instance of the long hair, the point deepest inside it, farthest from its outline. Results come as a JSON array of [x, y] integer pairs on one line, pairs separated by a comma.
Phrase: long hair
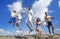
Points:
[[38, 20]]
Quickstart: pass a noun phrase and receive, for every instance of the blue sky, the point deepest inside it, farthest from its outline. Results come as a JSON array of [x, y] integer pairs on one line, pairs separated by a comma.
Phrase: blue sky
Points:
[[54, 11]]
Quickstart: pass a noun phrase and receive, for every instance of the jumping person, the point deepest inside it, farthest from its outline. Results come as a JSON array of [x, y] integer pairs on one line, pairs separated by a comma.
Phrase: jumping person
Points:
[[49, 23], [29, 19], [19, 20], [38, 23], [13, 17]]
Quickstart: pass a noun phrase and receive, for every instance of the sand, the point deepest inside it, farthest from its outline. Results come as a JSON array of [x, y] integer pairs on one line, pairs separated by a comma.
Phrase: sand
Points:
[[31, 37]]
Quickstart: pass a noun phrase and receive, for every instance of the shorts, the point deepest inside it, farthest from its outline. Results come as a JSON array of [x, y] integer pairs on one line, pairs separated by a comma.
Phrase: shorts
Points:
[[49, 24], [13, 19]]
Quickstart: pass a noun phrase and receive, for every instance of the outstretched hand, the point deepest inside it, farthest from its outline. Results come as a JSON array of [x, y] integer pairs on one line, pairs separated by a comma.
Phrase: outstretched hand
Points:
[[53, 18]]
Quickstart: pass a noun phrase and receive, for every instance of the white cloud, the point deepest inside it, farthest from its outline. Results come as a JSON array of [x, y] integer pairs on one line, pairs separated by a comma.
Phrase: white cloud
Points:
[[1, 30], [15, 6], [57, 31], [40, 7], [4, 32], [17, 31], [20, 32], [59, 3], [50, 11], [33, 33]]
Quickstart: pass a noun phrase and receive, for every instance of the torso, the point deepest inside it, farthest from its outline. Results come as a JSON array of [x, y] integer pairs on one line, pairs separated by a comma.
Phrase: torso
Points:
[[19, 16], [38, 23], [47, 18], [30, 14]]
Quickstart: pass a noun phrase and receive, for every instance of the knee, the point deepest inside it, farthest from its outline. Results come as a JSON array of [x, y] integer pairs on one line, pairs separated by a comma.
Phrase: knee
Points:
[[40, 31]]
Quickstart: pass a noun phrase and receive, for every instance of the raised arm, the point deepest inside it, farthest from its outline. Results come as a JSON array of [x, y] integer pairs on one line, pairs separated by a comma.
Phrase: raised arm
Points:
[[52, 17], [23, 10]]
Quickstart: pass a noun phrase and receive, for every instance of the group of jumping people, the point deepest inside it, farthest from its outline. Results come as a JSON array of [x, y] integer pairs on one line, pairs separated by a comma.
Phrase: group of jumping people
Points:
[[16, 19]]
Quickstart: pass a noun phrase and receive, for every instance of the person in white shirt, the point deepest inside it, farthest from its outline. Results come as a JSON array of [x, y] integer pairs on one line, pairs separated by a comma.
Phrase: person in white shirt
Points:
[[49, 23], [29, 19], [13, 17], [19, 20]]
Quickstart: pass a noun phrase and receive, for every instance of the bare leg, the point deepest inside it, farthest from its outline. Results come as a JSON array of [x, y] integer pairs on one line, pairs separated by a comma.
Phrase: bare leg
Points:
[[49, 30], [39, 32], [18, 25], [53, 29]]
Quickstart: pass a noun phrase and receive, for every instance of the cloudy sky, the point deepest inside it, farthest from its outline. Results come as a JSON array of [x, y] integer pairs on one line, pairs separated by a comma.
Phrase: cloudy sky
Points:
[[38, 6]]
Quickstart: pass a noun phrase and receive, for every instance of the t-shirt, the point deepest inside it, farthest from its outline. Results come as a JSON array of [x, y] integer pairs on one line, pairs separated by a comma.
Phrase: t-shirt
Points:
[[30, 14], [19, 16], [13, 14]]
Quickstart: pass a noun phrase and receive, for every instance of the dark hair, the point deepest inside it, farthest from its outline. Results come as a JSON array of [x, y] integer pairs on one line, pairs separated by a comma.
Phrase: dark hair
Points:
[[14, 11], [30, 6], [45, 12], [38, 19]]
